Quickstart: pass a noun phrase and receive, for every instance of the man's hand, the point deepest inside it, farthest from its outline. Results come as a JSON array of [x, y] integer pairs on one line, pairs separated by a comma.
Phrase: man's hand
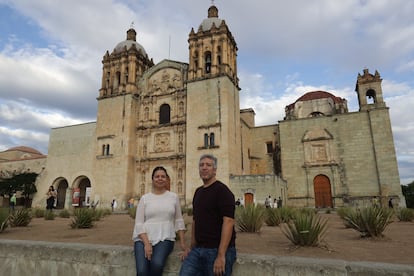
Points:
[[219, 265]]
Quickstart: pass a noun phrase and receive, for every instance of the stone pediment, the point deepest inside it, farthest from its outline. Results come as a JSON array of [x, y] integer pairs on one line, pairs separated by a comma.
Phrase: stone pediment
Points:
[[316, 134], [165, 77]]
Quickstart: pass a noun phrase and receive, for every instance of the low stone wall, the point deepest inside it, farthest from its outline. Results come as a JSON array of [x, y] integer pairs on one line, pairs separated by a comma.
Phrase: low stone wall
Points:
[[36, 258]]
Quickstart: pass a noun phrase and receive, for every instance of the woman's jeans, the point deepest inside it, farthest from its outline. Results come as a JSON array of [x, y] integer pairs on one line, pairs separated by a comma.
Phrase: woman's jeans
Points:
[[160, 252], [200, 261]]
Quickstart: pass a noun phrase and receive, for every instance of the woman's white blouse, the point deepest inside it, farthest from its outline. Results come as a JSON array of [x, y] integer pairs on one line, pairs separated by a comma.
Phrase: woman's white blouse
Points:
[[159, 216]]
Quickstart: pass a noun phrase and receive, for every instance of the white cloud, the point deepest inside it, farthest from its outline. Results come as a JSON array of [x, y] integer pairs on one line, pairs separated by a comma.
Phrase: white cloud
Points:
[[286, 48]]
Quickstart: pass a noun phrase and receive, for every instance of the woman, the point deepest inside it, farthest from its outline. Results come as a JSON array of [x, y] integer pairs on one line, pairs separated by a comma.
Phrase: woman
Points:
[[157, 219], [51, 195]]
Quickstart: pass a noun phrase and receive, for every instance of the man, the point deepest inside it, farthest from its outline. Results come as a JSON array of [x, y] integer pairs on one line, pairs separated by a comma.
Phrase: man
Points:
[[12, 203], [213, 250]]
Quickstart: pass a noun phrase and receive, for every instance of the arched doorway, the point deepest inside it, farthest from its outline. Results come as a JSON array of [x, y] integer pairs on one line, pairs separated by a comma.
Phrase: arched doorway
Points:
[[322, 188], [62, 187], [84, 183], [248, 198]]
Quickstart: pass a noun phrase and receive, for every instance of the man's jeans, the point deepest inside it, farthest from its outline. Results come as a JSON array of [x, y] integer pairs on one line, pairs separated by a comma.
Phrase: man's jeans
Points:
[[160, 252], [200, 262]]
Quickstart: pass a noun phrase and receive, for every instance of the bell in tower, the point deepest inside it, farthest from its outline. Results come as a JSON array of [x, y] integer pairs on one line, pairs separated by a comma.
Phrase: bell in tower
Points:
[[369, 90], [213, 50]]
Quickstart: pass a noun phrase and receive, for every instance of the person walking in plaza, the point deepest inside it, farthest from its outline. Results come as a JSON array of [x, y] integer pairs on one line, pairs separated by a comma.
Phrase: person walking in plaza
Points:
[[12, 203], [213, 250], [158, 218]]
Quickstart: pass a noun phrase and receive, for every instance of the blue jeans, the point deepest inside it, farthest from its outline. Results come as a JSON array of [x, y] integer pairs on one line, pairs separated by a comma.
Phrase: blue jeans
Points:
[[200, 262], [160, 252]]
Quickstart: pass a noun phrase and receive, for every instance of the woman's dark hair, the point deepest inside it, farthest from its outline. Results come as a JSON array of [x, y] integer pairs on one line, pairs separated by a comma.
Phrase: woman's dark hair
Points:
[[158, 169]]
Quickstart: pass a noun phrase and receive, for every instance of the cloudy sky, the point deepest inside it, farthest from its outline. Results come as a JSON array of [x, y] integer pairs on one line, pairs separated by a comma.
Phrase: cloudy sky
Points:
[[51, 53]]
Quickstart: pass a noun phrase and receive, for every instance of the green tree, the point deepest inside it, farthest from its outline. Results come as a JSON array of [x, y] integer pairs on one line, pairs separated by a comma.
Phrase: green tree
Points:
[[19, 182], [408, 192]]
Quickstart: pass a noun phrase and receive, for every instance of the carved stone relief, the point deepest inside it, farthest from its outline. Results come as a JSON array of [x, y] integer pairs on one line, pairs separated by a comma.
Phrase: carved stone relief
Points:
[[164, 81], [161, 142]]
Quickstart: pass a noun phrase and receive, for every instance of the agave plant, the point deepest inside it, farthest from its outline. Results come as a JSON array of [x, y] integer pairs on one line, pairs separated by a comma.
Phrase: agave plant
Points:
[[4, 217], [305, 229], [405, 214], [370, 221], [21, 217], [250, 218], [273, 216], [83, 218]]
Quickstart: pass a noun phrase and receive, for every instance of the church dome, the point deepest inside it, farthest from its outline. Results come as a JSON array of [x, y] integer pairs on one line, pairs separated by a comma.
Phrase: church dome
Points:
[[212, 18], [25, 149], [315, 104], [314, 95], [129, 42]]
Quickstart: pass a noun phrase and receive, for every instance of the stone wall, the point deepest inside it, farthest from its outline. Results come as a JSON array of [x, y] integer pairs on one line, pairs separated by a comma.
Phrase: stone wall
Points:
[[38, 258]]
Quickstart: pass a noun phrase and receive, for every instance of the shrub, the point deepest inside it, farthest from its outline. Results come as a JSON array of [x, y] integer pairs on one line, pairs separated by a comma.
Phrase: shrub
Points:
[[405, 214], [343, 212], [4, 217], [250, 218], [21, 217], [346, 212], [50, 215], [287, 213], [370, 221], [305, 229], [64, 213], [98, 214], [38, 213], [83, 218], [273, 216]]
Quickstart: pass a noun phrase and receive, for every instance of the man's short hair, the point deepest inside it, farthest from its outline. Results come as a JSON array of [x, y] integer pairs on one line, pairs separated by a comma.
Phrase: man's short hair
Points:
[[211, 157]]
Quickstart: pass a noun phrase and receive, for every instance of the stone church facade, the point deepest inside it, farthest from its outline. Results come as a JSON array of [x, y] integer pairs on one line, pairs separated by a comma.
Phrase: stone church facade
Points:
[[170, 113]]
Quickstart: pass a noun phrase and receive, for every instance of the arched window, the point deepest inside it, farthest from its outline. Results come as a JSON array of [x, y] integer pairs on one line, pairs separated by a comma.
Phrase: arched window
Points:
[[195, 60], [117, 80], [107, 149], [146, 113], [205, 140], [165, 114], [180, 173], [316, 114], [108, 77], [211, 139], [207, 62], [371, 96]]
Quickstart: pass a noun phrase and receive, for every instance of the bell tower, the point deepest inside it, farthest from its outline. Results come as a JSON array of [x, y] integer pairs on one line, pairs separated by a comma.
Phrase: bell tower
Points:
[[213, 50], [369, 90], [115, 141], [213, 105]]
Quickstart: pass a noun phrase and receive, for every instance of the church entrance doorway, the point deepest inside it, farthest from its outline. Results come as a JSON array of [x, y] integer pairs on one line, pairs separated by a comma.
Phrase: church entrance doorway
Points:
[[248, 198], [322, 188], [61, 194]]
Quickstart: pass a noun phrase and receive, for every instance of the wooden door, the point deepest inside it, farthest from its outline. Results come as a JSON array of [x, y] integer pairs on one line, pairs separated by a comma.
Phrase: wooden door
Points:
[[322, 188], [248, 198]]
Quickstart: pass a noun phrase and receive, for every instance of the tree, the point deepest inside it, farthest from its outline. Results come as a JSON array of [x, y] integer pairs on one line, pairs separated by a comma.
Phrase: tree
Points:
[[408, 192], [19, 182]]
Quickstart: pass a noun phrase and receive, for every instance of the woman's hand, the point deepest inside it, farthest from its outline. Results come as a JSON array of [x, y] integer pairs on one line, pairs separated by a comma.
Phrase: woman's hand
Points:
[[184, 253], [148, 251]]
